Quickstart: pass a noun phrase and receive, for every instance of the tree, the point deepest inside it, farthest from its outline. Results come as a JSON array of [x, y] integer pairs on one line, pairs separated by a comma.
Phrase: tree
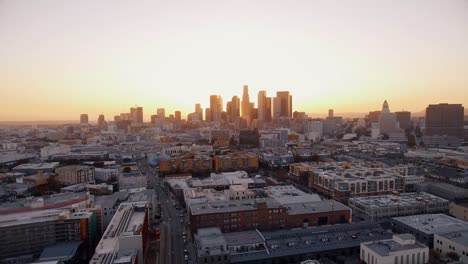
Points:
[[385, 136], [453, 256], [127, 170]]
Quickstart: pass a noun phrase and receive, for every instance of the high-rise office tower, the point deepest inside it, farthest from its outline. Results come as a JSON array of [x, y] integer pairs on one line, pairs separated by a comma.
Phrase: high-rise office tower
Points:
[[262, 105], [199, 111], [178, 115], [235, 107], [330, 113], [245, 102], [139, 115], [216, 107], [208, 117], [228, 110], [282, 104], [101, 121], [445, 119], [268, 107], [153, 119], [404, 119], [161, 113], [84, 119], [117, 118], [136, 115]]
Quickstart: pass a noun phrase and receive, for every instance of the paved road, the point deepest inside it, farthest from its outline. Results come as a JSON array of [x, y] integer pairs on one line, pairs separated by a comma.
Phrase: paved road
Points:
[[172, 242]]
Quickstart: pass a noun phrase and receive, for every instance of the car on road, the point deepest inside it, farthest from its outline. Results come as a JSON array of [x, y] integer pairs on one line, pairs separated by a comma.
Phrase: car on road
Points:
[[181, 220], [184, 234], [185, 251], [186, 257]]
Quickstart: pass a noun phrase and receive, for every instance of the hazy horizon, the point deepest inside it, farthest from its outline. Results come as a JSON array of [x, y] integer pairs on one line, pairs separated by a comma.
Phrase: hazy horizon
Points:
[[64, 58]]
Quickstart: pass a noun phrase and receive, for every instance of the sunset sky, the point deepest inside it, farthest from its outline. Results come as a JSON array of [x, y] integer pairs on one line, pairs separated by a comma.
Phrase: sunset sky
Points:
[[61, 58]]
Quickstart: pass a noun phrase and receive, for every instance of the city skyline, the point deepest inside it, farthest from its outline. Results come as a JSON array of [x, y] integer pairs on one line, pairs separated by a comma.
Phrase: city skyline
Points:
[[120, 54]]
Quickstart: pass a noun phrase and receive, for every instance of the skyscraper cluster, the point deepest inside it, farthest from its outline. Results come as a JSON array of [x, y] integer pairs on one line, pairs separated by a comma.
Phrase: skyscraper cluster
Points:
[[243, 111]]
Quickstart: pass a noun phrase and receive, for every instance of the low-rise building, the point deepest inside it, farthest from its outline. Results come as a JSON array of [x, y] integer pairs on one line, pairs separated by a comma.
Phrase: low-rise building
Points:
[[285, 246], [34, 168], [266, 214], [423, 227], [74, 174], [384, 207], [104, 174], [344, 180], [459, 210], [401, 249], [444, 190], [452, 242], [236, 161], [54, 149]]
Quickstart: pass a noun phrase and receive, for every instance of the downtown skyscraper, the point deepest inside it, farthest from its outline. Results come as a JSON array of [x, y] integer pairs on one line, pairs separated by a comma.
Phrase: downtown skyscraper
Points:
[[216, 108], [245, 109], [282, 104], [262, 105]]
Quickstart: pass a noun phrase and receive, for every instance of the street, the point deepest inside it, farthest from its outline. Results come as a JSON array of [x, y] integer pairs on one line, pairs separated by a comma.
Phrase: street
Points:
[[172, 226]]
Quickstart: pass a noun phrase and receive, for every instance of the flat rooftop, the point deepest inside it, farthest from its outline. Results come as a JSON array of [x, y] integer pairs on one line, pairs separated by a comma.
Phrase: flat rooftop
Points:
[[46, 200], [404, 199], [251, 204], [460, 238], [40, 216], [127, 221], [433, 223], [288, 194], [385, 247], [37, 166], [301, 241]]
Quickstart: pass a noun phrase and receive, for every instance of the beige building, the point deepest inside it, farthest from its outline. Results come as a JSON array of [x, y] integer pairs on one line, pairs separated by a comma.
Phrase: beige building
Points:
[[456, 242], [401, 249], [74, 174], [459, 211]]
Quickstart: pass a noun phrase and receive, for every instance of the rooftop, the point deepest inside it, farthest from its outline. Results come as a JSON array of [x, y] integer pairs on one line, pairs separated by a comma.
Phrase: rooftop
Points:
[[433, 223], [280, 243], [59, 200], [288, 194], [62, 251], [398, 243], [37, 166], [251, 204], [391, 200], [127, 221], [460, 238]]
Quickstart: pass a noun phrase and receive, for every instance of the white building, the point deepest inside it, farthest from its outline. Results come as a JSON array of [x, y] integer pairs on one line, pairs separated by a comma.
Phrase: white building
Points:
[[104, 174], [124, 236], [313, 130], [452, 242], [401, 249], [387, 120], [54, 149]]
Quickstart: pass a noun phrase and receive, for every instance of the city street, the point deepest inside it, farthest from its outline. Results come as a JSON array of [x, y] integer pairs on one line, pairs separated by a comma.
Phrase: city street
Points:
[[172, 241]]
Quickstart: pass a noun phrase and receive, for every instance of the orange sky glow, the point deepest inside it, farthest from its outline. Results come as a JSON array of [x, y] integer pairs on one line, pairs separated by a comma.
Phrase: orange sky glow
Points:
[[62, 58]]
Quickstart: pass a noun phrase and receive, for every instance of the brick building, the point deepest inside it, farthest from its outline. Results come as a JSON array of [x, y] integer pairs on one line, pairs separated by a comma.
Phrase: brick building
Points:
[[266, 214]]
